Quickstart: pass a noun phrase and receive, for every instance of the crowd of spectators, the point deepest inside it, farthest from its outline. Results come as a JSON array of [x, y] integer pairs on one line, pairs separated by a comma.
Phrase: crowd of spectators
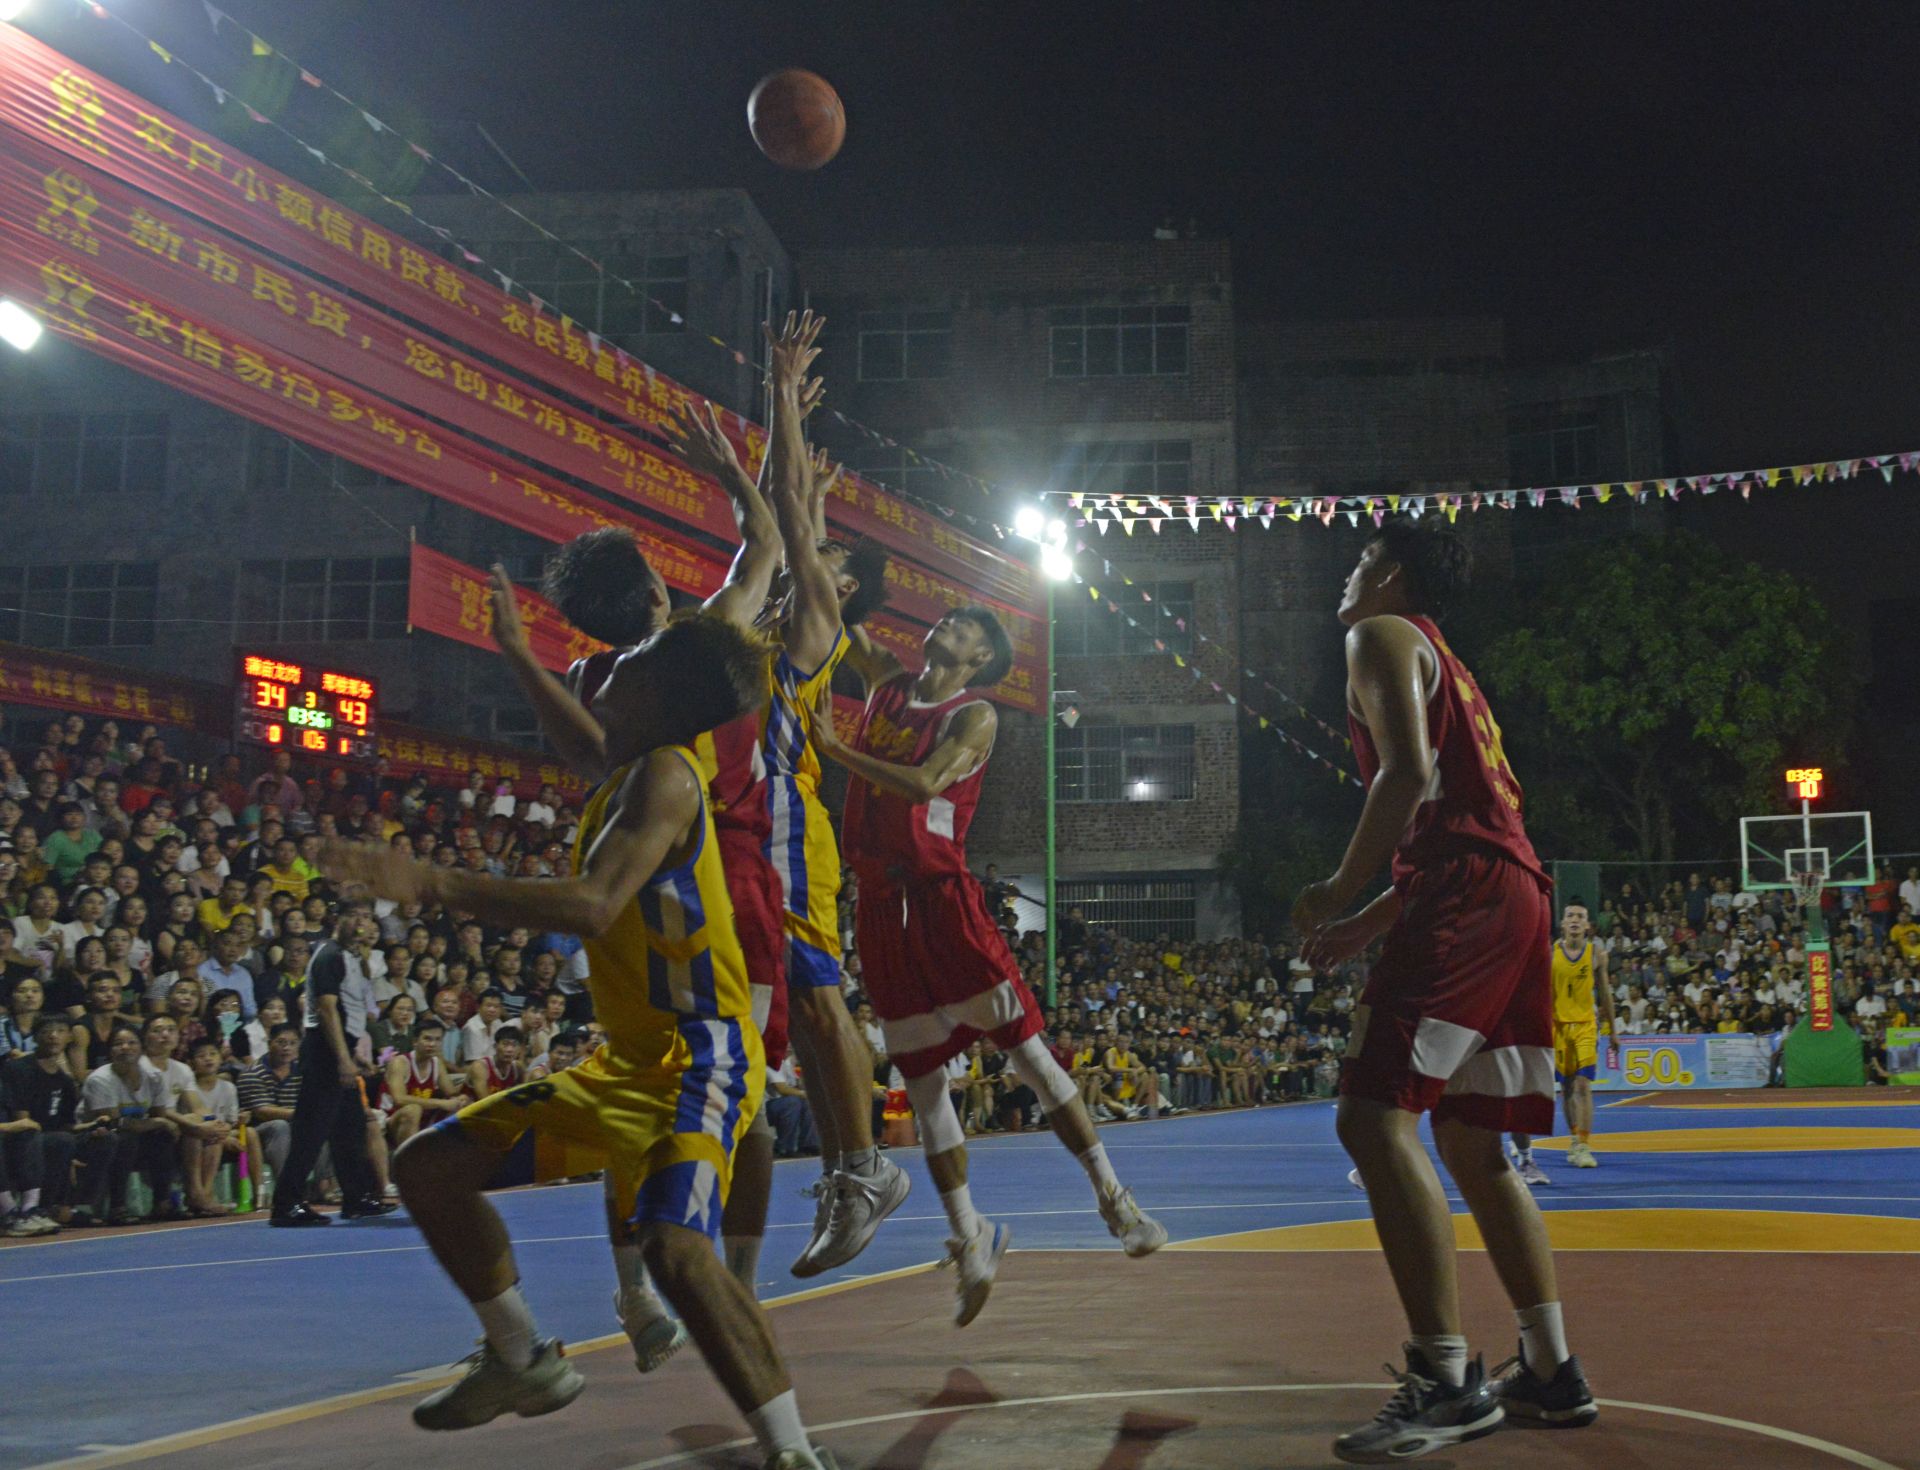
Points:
[[157, 918]]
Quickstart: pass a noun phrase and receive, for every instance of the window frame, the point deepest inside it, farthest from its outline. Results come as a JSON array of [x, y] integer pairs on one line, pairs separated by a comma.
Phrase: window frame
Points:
[[122, 452], [321, 599], [1078, 343], [81, 605], [925, 343], [1077, 619], [1127, 762]]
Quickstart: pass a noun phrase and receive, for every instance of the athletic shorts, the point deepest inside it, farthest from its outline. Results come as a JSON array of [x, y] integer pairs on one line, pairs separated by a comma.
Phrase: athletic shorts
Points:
[[1576, 1047], [806, 859], [1457, 1016], [937, 970], [754, 888], [666, 1133]]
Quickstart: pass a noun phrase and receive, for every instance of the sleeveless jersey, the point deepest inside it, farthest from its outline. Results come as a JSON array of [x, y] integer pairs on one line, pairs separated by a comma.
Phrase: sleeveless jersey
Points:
[[1573, 987], [671, 956], [882, 830], [789, 752], [498, 1080], [1472, 802], [586, 675], [427, 1086]]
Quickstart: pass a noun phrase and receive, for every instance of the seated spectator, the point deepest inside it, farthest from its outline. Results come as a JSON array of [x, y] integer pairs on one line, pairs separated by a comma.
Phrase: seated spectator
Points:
[[18, 1018], [420, 1089], [126, 1104], [268, 1090], [477, 1036], [499, 1070], [215, 1104], [42, 1102], [391, 1034], [563, 1052], [793, 1127], [250, 1041]]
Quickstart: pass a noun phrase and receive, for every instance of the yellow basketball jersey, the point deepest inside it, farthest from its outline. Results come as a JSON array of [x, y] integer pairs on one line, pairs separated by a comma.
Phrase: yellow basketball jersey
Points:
[[791, 713], [672, 956], [1573, 986]]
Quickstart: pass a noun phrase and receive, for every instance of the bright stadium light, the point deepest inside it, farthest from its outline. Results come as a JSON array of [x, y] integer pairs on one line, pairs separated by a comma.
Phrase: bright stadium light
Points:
[[1028, 522], [19, 328], [12, 9], [1057, 532], [1055, 564]]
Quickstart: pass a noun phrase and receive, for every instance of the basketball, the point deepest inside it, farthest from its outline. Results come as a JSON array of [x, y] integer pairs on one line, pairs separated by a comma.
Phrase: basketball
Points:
[[796, 119]]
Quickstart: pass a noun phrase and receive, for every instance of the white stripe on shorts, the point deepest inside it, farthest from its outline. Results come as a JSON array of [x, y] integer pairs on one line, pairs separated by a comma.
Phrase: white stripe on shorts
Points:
[[987, 1011]]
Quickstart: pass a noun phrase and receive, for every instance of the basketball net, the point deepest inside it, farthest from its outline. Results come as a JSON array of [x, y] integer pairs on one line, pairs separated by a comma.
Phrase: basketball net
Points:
[[1807, 886]]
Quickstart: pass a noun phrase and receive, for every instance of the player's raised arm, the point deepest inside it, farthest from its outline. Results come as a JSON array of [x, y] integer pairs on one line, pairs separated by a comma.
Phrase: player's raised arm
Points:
[[813, 628], [707, 449], [658, 804], [568, 725], [969, 741], [1388, 677]]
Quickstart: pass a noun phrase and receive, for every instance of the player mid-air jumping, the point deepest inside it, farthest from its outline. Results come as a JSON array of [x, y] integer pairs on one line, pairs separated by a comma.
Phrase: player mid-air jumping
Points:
[[1456, 1017]]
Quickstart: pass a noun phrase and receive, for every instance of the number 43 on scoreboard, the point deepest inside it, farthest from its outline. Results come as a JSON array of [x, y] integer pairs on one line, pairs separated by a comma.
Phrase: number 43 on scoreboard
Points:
[[298, 707]]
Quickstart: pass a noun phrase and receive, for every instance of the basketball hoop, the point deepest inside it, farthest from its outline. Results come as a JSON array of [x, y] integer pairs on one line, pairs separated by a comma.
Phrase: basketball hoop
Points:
[[1807, 884]]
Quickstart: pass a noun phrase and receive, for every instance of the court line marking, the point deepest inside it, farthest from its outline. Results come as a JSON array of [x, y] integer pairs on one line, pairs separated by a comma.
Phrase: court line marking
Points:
[[188, 1439], [1790, 1436]]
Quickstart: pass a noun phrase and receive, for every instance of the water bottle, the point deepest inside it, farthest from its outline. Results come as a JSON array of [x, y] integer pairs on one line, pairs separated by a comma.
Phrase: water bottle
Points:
[[139, 1194]]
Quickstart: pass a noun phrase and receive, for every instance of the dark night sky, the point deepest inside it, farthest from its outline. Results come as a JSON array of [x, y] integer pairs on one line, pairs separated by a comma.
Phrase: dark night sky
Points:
[[1731, 181]]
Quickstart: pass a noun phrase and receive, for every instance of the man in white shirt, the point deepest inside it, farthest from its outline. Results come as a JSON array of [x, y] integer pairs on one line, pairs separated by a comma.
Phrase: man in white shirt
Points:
[[130, 1098], [1910, 890], [476, 1037], [1870, 1007]]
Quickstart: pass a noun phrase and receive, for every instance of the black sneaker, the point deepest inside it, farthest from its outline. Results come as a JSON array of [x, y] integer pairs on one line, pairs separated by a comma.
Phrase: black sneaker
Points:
[[298, 1218], [1423, 1415], [368, 1208], [1561, 1402]]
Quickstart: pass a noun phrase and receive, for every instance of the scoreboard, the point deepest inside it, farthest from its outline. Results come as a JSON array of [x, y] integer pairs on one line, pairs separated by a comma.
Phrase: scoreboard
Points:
[[305, 709]]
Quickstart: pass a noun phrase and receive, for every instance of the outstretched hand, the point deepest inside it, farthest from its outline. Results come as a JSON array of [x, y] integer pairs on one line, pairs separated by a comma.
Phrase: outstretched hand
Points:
[[793, 350], [508, 631], [1335, 943], [703, 443], [1315, 908], [378, 868]]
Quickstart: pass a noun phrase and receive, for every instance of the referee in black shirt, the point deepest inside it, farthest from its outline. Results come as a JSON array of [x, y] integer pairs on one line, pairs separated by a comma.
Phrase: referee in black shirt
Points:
[[331, 1108]]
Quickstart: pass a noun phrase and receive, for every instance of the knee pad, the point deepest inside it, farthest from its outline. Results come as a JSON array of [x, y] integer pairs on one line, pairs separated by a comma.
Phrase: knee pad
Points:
[[1034, 1065], [939, 1125]]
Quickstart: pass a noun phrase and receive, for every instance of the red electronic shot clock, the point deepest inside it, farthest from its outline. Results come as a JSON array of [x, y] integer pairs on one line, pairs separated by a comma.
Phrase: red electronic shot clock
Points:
[[305, 709]]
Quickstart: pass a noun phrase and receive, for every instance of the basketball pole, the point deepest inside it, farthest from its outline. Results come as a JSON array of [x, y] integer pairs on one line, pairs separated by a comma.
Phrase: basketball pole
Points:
[[1052, 915]]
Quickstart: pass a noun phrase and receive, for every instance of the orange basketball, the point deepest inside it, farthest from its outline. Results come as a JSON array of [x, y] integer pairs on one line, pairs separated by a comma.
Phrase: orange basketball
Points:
[[797, 119]]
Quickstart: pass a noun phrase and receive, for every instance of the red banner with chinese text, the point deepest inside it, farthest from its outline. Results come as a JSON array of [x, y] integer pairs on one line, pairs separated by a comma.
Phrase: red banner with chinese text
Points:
[[1819, 987], [44, 96], [452, 599]]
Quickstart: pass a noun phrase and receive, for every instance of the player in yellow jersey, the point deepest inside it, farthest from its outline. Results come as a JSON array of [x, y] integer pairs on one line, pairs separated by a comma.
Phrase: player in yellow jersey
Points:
[[1580, 994], [671, 1091], [830, 587]]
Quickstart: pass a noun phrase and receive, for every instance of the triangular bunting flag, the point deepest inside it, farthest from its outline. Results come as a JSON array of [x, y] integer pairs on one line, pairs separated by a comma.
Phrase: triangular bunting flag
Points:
[[260, 47], [160, 51]]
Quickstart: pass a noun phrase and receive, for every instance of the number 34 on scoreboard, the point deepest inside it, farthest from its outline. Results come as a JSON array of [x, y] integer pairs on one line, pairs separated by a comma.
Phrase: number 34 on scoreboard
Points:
[[318, 712]]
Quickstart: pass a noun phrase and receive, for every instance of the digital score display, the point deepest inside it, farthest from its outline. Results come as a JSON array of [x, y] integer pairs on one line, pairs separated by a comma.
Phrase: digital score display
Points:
[[1806, 781], [306, 710]]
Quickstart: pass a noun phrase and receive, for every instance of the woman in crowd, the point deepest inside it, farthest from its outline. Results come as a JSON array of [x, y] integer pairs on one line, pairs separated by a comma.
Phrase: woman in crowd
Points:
[[393, 1031], [223, 1019], [185, 1001], [17, 1022], [67, 986], [252, 1039], [176, 924]]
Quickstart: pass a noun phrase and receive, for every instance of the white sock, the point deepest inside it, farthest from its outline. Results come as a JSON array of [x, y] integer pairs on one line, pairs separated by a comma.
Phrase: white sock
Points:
[[861, 1161], [743, 1258], [30, 1200], [7, 1202], [1446, 1355], [640, 1306], [509, 1326], [1543, 1339], [1099, 1169], [961, 1215], [776, 1424]]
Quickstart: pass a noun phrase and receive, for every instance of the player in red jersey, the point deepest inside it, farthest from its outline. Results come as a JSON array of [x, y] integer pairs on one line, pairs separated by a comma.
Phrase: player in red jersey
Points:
[[1456, 1017], [935, 965]]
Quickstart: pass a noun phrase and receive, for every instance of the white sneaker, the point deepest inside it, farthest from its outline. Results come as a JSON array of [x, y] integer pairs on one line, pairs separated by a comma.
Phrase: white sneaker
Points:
[[491, 1389], [796, 1460], [1581, 1156], [977, 1261], [1353, 1178], [1138, 1232], [856, 1204], [1530, 1172], [1102, 1113], [655, 1336], [392, 1191]]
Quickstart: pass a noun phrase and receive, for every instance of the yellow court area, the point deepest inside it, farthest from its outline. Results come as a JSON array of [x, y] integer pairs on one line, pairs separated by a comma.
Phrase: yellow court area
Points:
[[1621, 1230], [1809, 1104], [1781, 1139]]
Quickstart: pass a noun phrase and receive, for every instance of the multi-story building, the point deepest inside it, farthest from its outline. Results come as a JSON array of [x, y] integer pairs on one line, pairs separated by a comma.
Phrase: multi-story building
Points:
[[1044, 370]]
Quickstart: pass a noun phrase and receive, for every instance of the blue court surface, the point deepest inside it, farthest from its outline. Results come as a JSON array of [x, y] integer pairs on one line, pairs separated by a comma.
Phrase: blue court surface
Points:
[[111, 1341]]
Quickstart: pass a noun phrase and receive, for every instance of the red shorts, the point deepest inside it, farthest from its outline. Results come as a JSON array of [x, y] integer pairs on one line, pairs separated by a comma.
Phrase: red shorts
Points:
[[758, 906], [937, 970], [1457, 1015]]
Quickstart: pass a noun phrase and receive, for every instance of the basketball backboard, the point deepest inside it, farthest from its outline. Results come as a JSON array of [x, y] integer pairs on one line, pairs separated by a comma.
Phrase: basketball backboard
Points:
[[1773, 849]]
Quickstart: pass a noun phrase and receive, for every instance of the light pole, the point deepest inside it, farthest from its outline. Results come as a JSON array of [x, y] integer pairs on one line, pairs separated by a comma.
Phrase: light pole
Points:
[[1056, 565]]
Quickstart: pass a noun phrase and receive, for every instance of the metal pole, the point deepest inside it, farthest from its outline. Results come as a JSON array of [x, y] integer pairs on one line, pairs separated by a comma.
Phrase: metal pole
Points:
[[1053, 908]]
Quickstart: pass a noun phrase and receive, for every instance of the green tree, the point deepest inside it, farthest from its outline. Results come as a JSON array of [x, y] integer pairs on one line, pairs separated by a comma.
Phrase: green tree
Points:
[[1658, 692]]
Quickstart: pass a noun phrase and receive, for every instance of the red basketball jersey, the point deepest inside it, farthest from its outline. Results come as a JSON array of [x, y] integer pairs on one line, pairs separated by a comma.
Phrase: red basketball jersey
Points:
[[736, 775], [1473, 801], [882, 830]]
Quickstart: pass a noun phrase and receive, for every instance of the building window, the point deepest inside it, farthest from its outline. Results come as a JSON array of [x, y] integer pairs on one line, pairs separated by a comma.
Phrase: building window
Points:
[[83, 454], [1106, 763], [341, 599], [1119, 341], [516, 725], [1083, 628], [1549, 444], [1135, 908], [1160, 467], [900, 472], [898, 346], [87, 605], [277, 464], [595, 301]]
